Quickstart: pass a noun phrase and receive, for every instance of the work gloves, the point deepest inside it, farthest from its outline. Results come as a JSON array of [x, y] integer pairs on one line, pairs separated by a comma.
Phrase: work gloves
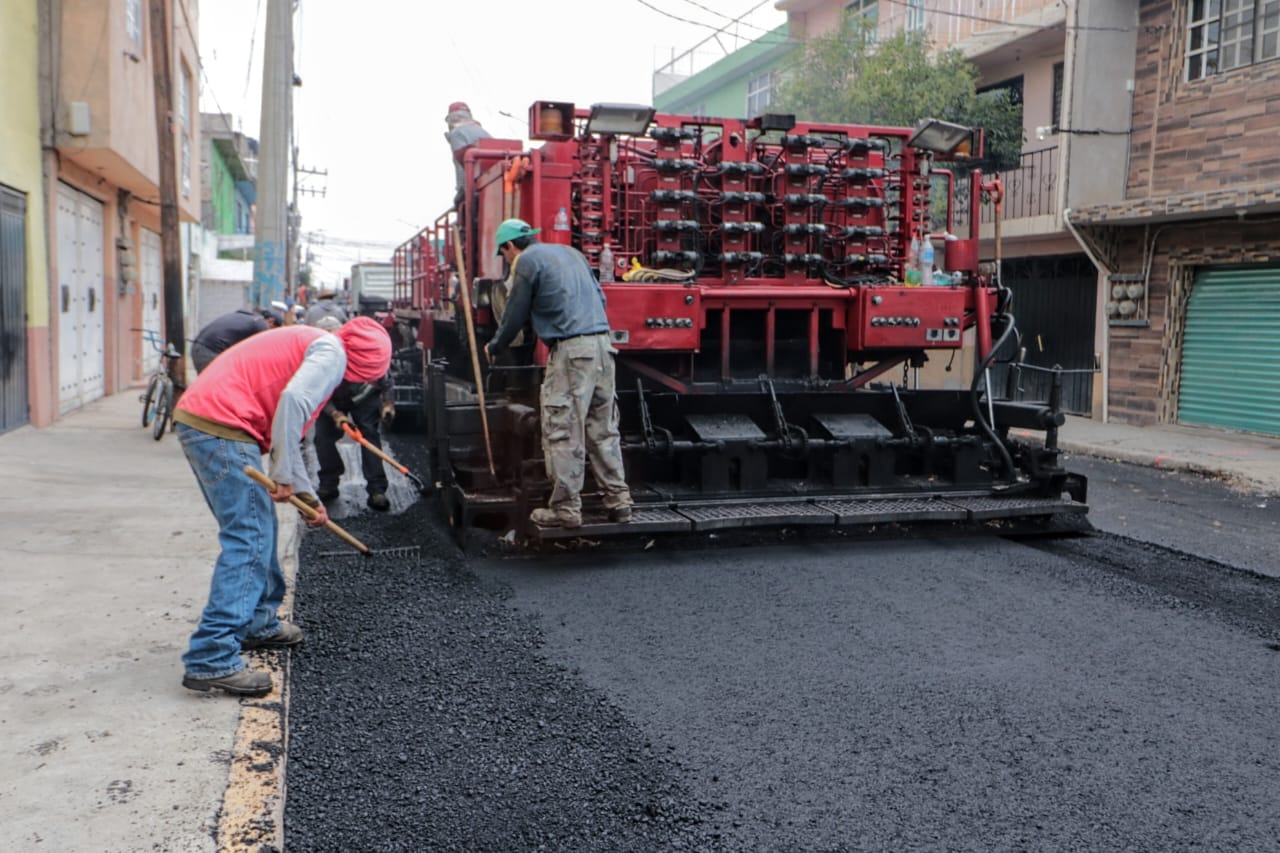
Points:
[[388, 413]]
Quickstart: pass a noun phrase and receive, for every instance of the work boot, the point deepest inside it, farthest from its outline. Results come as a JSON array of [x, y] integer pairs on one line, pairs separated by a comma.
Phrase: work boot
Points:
[[378, 501], [620, 514], [545, 517], [246, 682], [287, 636], [327, 493]]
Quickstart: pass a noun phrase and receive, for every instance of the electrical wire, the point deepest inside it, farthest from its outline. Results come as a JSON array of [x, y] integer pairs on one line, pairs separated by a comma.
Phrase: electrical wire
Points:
[[714, 29]]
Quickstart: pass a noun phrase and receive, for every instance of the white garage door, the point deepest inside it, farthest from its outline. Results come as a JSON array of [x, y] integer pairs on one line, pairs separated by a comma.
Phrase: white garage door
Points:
[[81, 360]]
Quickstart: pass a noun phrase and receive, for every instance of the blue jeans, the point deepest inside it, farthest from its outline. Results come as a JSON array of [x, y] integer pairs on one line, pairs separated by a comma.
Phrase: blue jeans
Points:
[[247, 585]]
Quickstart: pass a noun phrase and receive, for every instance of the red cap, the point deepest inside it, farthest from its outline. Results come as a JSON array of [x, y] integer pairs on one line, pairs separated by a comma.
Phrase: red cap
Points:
[[459, 106]]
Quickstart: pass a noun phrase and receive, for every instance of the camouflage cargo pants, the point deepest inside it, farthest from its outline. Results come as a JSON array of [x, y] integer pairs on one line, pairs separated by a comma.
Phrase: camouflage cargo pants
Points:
[[580, 422]]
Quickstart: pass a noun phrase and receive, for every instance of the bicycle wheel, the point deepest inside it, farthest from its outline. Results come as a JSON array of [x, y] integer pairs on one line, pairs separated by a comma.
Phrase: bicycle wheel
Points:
[[164, 408], [150, 399]]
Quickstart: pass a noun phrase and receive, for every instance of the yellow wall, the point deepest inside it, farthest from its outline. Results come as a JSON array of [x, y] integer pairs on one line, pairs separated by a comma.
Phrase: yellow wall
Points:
[[20, 163]]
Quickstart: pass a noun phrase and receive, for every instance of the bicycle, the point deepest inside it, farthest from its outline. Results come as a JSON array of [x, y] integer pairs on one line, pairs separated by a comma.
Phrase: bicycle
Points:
[[157, 400]]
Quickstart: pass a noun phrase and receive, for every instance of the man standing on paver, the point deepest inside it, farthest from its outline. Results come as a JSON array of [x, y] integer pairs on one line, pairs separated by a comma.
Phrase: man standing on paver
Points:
[[259, 397], [552, 286]]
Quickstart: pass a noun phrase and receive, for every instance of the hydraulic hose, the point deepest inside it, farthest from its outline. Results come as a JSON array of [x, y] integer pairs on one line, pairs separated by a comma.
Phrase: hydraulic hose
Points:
[[978, 416]]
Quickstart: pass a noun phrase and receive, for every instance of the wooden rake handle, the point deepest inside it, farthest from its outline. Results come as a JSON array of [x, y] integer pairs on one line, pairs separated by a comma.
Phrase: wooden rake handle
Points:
[[310, 513]]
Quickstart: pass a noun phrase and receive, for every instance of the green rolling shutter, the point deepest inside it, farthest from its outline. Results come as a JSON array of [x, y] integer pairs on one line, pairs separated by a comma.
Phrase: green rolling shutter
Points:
[[1231, 350]]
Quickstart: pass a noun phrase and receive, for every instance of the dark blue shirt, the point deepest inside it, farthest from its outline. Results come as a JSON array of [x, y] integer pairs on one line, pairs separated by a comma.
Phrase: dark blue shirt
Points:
[[554, 289], [230, 329]]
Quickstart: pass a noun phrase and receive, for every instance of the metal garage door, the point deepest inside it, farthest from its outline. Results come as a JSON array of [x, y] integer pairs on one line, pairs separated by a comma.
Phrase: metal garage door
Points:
[[1231, 350], [81, 360], [1054, 303], [13, 309]]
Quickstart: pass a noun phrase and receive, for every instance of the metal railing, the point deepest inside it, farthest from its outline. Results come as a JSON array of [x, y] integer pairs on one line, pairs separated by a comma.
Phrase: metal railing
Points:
[[1031, 189], [955, 21]]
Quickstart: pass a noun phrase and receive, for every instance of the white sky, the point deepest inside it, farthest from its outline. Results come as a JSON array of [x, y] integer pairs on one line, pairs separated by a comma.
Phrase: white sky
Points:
[[378, 76]]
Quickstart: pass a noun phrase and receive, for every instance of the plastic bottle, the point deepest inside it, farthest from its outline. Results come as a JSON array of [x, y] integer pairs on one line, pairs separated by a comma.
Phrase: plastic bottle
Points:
[[606, 264], [926, 261], [562, 220], [912, 272]]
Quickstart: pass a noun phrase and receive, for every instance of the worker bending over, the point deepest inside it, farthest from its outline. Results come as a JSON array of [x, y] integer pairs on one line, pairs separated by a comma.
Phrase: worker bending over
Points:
[[223, 332], [258, 398]]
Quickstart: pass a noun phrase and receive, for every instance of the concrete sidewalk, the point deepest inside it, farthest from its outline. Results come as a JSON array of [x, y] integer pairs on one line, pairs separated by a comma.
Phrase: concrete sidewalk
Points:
[[105, 568], [1248, 462], [108, 548]]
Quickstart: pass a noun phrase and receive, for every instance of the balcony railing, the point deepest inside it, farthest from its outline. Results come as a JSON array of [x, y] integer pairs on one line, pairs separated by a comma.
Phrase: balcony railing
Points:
[[1029, 190], [954, 21]]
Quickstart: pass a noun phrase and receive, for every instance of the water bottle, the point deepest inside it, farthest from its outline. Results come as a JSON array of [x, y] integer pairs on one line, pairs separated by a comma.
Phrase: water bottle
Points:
[[926, 261], [606, 264], [562, 220], [912, 272]]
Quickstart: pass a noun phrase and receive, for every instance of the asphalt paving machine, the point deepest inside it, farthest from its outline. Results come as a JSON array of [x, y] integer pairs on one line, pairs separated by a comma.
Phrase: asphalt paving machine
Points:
[[802, 339]]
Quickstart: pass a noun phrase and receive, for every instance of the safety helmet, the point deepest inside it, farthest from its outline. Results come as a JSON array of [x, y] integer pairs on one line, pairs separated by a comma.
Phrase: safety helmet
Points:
[[513, 229]]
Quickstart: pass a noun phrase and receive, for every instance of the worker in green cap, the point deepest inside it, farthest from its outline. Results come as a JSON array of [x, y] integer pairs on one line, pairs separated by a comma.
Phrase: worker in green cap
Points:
[[553, 288]]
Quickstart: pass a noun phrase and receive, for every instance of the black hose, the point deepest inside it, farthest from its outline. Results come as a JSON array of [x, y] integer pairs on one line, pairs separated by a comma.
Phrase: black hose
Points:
[[979, 417]]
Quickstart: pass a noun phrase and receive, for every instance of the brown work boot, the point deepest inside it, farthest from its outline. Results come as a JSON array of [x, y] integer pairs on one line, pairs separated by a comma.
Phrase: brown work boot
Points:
[[620, 514], [287, 636], [378, 501], [246, 682], [546, 517]]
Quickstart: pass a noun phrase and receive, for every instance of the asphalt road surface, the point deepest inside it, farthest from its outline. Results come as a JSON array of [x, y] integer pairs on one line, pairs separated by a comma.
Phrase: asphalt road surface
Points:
[[923, 692]]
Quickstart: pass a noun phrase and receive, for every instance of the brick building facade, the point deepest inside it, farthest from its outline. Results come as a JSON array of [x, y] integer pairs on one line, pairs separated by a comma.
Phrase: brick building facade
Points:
[[1191, 256]]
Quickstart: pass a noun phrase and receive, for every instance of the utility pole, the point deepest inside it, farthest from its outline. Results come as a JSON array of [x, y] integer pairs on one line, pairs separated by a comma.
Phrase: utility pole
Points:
[[170, 241], [271, 244], [295, 216]]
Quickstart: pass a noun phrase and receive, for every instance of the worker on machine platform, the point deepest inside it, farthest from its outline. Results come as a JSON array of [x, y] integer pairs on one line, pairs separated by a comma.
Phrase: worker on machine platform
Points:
[[553, 287], [463, 132]]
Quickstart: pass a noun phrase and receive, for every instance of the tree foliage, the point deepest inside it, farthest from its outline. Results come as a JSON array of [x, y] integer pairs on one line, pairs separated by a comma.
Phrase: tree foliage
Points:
[[846, 77]]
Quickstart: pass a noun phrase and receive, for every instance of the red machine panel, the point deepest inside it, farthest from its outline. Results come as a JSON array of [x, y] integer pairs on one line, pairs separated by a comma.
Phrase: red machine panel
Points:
[[654, 316], [907, 318]]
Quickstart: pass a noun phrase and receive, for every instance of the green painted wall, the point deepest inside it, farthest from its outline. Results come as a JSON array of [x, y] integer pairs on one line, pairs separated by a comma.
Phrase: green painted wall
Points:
[[721, 89], [222, 193], [20, 158]]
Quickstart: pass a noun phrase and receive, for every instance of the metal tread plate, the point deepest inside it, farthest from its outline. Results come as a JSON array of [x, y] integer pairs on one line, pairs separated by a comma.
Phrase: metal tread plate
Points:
[[889, 510], [644, 519], [988, 508], [719, 517]]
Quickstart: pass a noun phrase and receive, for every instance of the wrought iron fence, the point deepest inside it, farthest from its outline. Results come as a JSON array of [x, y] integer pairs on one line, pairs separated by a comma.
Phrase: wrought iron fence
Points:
[[1030, 189]]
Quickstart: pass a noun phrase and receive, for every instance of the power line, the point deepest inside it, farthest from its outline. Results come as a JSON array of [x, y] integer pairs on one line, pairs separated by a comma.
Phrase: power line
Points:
[[714, 29]]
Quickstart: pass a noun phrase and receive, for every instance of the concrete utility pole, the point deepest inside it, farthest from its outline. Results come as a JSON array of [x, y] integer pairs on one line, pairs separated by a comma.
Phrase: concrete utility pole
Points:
[[170, 240], [272, 241]]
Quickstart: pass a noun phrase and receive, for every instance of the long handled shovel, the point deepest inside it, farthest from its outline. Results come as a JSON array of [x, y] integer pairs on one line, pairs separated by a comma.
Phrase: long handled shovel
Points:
[[471, 339], [358, 437]]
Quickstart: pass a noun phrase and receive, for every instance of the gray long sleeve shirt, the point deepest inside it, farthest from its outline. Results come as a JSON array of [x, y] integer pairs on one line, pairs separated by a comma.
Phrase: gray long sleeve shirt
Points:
[[321, 371], [554, 288]]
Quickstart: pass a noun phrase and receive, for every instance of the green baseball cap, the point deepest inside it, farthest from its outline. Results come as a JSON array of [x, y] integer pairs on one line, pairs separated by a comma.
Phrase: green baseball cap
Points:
[[513, 229]]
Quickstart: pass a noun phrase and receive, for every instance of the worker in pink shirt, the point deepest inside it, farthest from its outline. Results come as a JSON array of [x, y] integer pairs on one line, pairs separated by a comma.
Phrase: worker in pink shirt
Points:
[[258, 398]]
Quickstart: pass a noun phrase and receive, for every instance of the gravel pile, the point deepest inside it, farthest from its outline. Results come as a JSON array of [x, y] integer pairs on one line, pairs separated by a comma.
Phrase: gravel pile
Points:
[[423, 716]]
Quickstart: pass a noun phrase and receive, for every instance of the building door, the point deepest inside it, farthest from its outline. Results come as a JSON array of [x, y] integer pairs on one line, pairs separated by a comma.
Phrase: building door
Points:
[[1054, 304], [81, 356], [13, 309], [1230, 371], [151, 276]]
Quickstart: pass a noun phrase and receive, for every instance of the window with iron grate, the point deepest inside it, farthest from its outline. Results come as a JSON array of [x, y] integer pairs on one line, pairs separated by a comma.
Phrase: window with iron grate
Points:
[[1226, 34]]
